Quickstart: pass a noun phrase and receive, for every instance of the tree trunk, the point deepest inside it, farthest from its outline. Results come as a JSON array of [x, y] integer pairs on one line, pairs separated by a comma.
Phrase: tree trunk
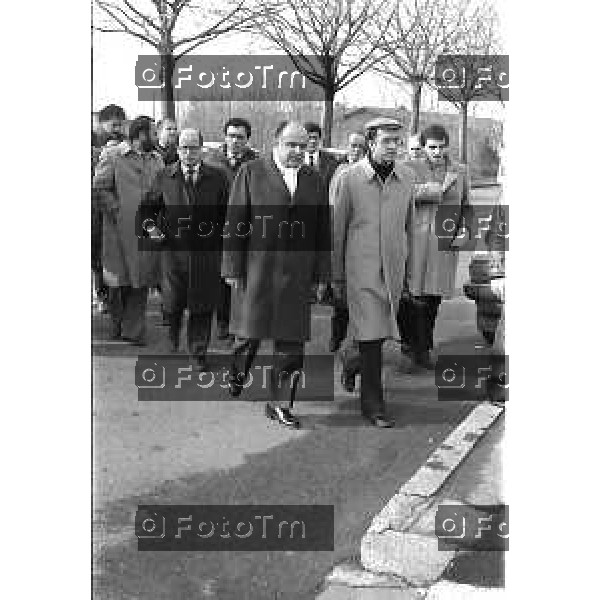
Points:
[[167, 104], [327, 123], [463, 132], [417, 87]]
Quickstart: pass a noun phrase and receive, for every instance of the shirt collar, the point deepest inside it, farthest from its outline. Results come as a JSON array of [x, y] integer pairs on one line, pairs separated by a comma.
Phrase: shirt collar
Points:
[[281, 167], [370, 171]]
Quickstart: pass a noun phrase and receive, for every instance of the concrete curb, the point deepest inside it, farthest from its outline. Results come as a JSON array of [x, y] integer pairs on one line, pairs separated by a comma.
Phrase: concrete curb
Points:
[[400, 540]]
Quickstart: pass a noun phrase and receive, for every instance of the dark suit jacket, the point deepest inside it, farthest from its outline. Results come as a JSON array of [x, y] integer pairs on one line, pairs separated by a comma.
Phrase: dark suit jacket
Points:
[[219, 158], [327, 166], [277, 268], [169, 200]]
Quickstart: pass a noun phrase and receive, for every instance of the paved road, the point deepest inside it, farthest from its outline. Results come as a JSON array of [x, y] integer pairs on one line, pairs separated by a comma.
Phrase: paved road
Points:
[[228, 453]]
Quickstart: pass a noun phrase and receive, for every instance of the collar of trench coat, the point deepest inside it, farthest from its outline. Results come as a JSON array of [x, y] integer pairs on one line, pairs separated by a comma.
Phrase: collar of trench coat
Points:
[[370, 173]]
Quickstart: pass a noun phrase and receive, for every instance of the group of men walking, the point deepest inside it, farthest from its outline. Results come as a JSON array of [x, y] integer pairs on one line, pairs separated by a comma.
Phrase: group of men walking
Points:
[[376, 261]]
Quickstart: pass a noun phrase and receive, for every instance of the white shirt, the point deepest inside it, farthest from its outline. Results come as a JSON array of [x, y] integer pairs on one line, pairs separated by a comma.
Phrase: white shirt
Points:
[[290, 175], [315, 156]]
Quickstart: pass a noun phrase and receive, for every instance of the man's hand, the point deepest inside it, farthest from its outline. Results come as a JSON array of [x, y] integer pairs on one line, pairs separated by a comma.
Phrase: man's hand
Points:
[[339, 292], [321, 292], [433, 187], [235, 282]]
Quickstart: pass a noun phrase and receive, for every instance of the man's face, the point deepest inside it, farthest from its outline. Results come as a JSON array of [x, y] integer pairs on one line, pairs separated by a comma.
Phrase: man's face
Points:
[[236, 139], [436, 150], [168, 134], [113, 128], [314, 140], [189, 153], [356, 147], [145, 142], [415, 150], [291, 146], [384, 148]]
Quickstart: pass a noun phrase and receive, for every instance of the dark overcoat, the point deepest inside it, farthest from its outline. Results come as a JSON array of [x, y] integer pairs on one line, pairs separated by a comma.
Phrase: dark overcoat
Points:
[[277, 272], [168, 200]]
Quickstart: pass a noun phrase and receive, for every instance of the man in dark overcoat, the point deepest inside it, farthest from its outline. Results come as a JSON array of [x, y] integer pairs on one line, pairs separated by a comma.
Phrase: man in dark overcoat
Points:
[[273, 276], [190, 273], [230, 157]]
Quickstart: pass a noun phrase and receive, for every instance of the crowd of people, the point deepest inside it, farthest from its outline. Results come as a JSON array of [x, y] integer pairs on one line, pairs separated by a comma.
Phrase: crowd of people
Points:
[[373, 254]]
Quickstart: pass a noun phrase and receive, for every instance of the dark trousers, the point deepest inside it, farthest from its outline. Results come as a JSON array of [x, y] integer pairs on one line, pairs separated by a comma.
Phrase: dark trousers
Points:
[[371, 390], [365, 358], [224, 307], [416, 322], [175, 293], [288, 357], [339, 325], [127, 309]]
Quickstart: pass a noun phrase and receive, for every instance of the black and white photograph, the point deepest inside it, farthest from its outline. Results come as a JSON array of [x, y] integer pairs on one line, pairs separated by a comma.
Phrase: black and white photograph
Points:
[[299, 245]]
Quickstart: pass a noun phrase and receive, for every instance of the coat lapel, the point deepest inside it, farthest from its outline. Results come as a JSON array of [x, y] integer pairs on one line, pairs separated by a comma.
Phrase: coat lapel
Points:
[[277, 178]]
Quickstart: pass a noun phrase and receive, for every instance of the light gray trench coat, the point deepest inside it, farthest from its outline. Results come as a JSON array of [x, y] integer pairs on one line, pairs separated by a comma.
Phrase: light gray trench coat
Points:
[[371, 236]]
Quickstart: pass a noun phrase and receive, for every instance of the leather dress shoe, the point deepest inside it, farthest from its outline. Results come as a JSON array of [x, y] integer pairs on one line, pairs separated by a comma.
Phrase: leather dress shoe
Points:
[[283, 415], [380, 420], [348, 380]]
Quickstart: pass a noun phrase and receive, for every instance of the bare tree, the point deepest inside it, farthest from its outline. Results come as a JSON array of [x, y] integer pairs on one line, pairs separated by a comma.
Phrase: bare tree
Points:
[[171, 27], [417, 34], [326, 40], [476, 48]]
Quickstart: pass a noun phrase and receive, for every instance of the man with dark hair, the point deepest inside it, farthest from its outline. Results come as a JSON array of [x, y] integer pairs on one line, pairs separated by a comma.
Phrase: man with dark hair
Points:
[[110, 120], [438, 182], [373, 211], [230, 157], [167, 141], [271, 281], [122, 179], [191, 278], [315, 157]]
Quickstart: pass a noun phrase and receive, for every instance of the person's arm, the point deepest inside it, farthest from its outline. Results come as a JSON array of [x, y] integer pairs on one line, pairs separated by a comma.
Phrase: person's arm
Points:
[[104, 184], [341, 217], [322, 273], [408, 229]]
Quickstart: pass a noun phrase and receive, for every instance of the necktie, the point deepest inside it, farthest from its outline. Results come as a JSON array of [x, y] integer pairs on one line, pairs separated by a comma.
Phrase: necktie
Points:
[[311, 160], [189, 184]]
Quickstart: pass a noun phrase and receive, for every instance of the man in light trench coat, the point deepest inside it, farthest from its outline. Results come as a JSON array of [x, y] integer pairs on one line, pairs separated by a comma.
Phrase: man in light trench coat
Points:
[[439, 182], [123, 177], [272, 278], [373, 209]]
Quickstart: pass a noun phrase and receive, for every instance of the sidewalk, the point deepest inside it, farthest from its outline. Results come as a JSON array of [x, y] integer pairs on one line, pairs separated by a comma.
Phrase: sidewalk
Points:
[[464, 575]]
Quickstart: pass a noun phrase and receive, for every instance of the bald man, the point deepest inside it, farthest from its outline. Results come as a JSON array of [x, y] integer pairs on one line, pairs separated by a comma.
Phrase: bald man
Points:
[[272, 281], [415, 147], [190, 277]]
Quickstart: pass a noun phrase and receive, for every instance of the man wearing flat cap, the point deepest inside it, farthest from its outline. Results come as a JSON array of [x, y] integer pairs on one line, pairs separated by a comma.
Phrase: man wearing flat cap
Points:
[[190, 274], [373, 210], [273, 276]]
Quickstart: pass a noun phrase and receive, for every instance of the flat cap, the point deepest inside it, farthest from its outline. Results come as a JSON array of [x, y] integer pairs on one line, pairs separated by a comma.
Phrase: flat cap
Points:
[[190, 137], [383, 123]]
